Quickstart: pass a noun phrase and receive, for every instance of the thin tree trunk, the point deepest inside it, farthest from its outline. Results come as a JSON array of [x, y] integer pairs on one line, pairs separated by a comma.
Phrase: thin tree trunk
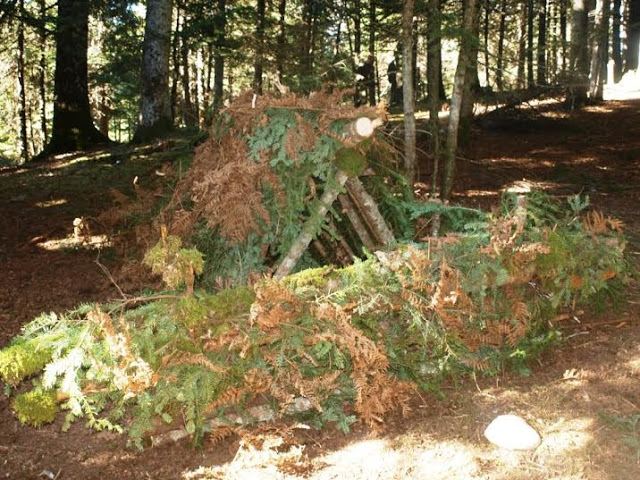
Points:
[[370, 212], [282, 39], [501, 30], [599, 51], [522, 47], [579, 53], [188, 114], [22, 94], [467, 51], [471, 84], [563, 35], [408, 92], [434, 60], [258, 63], [175, 76], [542, 43], [530, 16], [357, 27], [487, 17], [356, 222], [42, 37], [616, 50], [219, 44], [372, 51]]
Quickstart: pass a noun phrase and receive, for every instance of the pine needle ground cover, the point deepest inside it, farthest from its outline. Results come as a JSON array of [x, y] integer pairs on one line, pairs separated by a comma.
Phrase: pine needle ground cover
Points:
[[353, 342]]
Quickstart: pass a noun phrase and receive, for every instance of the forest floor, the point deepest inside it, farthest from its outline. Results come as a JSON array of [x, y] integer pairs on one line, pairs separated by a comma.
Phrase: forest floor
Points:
[[583, 396]]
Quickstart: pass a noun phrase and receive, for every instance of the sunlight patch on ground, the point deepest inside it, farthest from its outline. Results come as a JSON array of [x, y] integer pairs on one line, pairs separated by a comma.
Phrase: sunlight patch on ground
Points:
[[365, 459], [92, 242]]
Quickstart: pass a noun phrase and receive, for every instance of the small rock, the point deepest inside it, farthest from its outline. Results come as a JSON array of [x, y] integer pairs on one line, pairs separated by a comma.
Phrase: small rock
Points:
[[512, 432]]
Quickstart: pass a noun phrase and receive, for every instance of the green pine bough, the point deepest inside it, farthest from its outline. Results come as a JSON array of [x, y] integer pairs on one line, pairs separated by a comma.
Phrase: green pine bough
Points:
[[354, 342]]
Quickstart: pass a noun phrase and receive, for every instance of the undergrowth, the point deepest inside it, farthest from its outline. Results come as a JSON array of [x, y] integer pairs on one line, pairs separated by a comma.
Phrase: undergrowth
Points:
[[353, 342]]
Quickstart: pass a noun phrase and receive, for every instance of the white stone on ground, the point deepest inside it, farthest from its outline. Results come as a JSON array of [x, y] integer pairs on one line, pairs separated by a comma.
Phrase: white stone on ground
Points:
[[512, 432]]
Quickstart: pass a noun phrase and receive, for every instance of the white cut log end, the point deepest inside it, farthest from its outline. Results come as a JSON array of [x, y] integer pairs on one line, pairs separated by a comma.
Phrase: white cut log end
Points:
[[364, 127]]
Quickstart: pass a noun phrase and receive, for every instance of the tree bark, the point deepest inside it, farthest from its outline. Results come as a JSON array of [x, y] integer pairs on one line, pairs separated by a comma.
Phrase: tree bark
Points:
[[487, 16], [408, 93], [465, 59], [599, 51], [501, 30], [42, 73], [357, 27], [372, 51], [22, 94], [563, 34], [155, 110], [73, 127], [522, 47], [542, 43], [219, 45], [434, 61], [370, 212], [189, 117], [579, 53], [471, 83], [282, 39], [616, 49], [530, 16], [175, 74], [633, 35], [259, 54]]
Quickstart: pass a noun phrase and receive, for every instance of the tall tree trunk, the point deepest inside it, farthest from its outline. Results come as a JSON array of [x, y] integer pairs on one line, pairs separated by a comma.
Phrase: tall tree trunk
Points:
[[372, 51], [282, 39], [552, 29], [599, 51], [219, 44], [633, 35], [188, 113], [357, 27], [530, 16], [579, 53], [73, 127], [155, 113], [487, 17], [542, 42], [501, 30], [563, 34], [408, 92], [42, 73], [259, 60], [471, 83], [616, 49], [22, 94], [465, 59], [175, 74], [522, 47], [434, 60]]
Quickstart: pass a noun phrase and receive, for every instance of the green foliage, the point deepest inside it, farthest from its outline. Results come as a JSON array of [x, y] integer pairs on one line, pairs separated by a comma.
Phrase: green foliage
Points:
[[36, 408], [177, 265]]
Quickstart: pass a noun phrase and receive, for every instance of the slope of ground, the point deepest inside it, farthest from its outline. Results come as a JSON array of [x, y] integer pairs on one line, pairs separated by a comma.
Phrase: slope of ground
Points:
[[583, 398]]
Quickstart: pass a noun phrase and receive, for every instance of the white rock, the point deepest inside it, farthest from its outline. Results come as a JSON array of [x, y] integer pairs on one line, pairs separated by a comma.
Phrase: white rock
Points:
[[512, 432]]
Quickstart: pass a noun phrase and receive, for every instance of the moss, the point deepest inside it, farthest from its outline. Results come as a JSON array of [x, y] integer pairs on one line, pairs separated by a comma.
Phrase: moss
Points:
[[314, 277], [177, 265], [36, 408], [231, 302], [350, 161], [21, 360]]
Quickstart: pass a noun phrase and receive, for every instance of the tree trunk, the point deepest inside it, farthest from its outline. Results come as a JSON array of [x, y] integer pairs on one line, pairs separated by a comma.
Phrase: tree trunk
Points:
[[175, 75], [579, 53], [372, 51], [599, 51], [487, 17], [42, 73], [633, 35], [522, 47], [408, 93], [155, 112], [282, 39], [188, 113], [467, 51], [471, 83], [500, 60], [73, 127], [219, 44], [368, 208], [22, 94], [563, 35], [616, 49], [357, 27], [434, 60], [258, 62], [530, 15], [542, 42]]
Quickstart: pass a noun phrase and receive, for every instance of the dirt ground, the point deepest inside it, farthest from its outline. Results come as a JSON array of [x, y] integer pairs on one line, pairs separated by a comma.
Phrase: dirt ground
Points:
[[582, 397]]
